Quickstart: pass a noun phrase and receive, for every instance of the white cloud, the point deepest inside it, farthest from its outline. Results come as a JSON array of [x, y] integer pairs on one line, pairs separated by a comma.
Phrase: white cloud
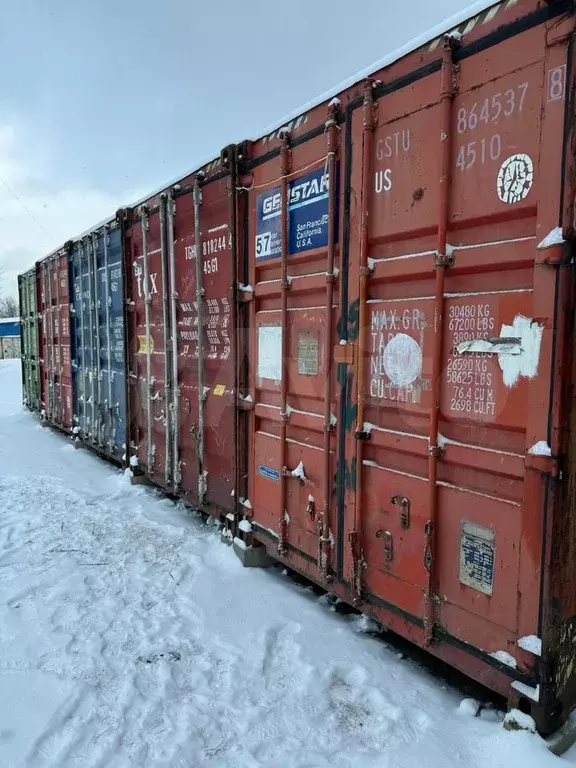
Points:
[[37, 214]]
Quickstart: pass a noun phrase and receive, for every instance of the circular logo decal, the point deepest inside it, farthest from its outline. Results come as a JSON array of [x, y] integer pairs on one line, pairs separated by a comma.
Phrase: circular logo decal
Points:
[[402, 360], [515, 179]]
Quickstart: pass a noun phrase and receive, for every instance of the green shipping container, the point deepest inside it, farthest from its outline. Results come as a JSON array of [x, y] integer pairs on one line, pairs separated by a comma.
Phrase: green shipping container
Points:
[[31, 393]]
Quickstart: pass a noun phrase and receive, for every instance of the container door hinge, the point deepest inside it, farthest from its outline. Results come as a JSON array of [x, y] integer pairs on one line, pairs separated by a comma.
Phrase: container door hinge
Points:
[[445, 259], [545, 465], [344, 353]]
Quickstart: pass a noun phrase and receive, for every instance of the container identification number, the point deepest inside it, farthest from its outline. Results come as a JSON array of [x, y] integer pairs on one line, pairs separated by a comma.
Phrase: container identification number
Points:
[[492, 108], [209, 247], [479, 151]]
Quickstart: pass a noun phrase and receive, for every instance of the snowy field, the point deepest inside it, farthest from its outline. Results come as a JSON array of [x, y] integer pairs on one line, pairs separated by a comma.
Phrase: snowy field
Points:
[[130, 637]]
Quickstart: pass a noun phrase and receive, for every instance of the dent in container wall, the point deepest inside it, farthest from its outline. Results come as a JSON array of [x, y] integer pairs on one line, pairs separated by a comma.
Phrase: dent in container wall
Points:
[[182, 380], [98, 340]]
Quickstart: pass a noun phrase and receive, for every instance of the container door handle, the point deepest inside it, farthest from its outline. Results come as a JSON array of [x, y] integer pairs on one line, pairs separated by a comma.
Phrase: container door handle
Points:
[[388, 545]]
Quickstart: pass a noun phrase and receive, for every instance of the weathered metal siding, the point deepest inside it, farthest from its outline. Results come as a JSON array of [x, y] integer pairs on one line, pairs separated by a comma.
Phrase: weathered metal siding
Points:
[[98, 340], [292, 326], [451, 308], [364, 347], [54, 308], [183, 415]]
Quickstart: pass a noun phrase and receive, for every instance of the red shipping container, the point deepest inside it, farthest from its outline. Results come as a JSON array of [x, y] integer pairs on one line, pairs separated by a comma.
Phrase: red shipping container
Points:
[[183, 415], [53, 288], [410, 357], [355, 334]]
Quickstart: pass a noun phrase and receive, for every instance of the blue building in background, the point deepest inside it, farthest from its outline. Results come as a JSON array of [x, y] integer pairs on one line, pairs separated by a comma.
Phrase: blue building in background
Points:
[[9, 337]]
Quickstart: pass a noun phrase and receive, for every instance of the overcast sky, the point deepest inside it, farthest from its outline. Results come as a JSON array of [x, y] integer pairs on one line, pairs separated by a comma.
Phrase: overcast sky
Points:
[[104, 101]]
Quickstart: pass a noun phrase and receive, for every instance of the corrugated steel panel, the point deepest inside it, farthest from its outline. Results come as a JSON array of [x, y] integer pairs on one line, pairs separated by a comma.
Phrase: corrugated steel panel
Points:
[[54, 310], [364, 346], [182, 368], [31, 386], [414, 468], [98, 340]]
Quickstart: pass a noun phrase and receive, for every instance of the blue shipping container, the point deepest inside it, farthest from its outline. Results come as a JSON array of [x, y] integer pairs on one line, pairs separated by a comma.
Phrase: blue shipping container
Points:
[[98, 340]]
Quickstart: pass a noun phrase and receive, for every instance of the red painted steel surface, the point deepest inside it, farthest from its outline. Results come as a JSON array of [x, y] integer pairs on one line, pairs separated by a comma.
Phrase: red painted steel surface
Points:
[[447, 364], [177, 446], [54, 333], [371, 359]]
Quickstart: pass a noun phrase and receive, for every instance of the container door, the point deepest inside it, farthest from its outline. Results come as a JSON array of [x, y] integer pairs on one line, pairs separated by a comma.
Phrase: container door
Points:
[[452, 379], [34, 341], [28, 312], [182, 385], [111, 340], [63, 369], [149, 334], [57, 390], [83, 339], [205, 449], [294, 278], [42, 293]]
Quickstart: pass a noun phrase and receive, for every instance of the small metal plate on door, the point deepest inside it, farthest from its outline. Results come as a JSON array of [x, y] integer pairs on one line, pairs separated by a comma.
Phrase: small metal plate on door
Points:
[[477, 556], [308, 353]]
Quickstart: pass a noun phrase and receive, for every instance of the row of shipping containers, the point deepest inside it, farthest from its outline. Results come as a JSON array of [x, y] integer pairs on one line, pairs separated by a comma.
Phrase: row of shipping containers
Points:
[[351, 340]]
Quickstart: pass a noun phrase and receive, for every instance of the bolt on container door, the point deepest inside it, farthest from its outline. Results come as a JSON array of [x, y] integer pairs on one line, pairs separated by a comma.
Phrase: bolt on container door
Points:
[[55, 328], [99, 340], [30, 361], [183, 414], [294, 266]]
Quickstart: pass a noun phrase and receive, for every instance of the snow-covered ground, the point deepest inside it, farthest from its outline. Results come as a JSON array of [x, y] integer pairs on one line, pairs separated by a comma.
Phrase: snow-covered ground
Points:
[[130, 637]]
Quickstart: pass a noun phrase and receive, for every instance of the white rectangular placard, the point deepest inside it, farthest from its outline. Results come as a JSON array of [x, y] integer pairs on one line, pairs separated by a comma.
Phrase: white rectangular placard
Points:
[[270, 352]]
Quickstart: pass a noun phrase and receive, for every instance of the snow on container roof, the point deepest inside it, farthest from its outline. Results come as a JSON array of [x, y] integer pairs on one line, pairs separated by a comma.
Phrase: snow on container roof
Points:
[[467, 19]]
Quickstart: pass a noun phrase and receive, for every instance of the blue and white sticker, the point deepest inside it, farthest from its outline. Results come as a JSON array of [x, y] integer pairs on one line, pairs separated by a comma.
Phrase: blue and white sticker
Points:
[[307, 216], [269, 473]]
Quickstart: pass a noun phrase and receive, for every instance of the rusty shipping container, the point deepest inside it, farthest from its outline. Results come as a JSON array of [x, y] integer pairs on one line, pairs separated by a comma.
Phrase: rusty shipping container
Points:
[[53, 291], [181, 273], [410, 332], [351, 340]]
